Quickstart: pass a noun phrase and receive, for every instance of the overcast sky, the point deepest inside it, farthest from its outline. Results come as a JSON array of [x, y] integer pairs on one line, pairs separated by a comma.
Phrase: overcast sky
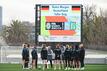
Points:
[[24, 9]]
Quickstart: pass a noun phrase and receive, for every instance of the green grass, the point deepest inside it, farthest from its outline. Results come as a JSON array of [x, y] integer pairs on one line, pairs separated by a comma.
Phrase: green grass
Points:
[[17, 67]]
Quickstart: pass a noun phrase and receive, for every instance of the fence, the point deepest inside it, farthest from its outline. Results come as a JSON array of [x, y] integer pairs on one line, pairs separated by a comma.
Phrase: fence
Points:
[[12, 54], [97, 47], [9, 51]]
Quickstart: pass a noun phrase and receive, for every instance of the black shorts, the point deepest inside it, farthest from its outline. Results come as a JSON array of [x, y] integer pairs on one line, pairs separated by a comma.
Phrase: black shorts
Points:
[[57, 57], [27, 59], [63, 58], [23, 57], [71, 58], [34, 58], [44, 58], [77, 58], [67, 58]]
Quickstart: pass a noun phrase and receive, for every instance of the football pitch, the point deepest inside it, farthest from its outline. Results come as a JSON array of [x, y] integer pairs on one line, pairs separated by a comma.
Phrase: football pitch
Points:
[[18, 67]]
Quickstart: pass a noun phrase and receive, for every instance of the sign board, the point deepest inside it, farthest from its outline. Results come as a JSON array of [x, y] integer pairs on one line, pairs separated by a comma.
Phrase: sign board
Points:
[[59, 22]]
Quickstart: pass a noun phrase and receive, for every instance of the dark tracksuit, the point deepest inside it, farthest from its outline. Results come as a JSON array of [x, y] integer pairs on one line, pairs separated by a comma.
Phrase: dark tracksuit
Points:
[[44, 53], [57, 52], [24, 53], [67, 57], [34, 56], [76, 55], [82, 55], [71, 57], [71, 54], [25, 56], [77, 52]]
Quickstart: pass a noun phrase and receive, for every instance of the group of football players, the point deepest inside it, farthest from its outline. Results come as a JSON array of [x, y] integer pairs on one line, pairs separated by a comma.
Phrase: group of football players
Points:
[[61, 57]]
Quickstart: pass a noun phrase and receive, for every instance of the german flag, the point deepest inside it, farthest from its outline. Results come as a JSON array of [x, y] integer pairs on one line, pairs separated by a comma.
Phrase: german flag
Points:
[[45, 8], [75, 9]]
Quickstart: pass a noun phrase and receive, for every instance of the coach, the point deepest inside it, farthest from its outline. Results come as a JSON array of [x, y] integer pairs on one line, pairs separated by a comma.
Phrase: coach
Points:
[[82, 56]]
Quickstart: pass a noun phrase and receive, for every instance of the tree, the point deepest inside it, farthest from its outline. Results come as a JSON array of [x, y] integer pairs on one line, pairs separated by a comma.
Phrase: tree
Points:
[[94, 26], [16, 33], [88, 18]]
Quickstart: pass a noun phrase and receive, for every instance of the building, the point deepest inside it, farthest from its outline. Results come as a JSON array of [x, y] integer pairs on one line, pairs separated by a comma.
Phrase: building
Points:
[[0, 17]]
